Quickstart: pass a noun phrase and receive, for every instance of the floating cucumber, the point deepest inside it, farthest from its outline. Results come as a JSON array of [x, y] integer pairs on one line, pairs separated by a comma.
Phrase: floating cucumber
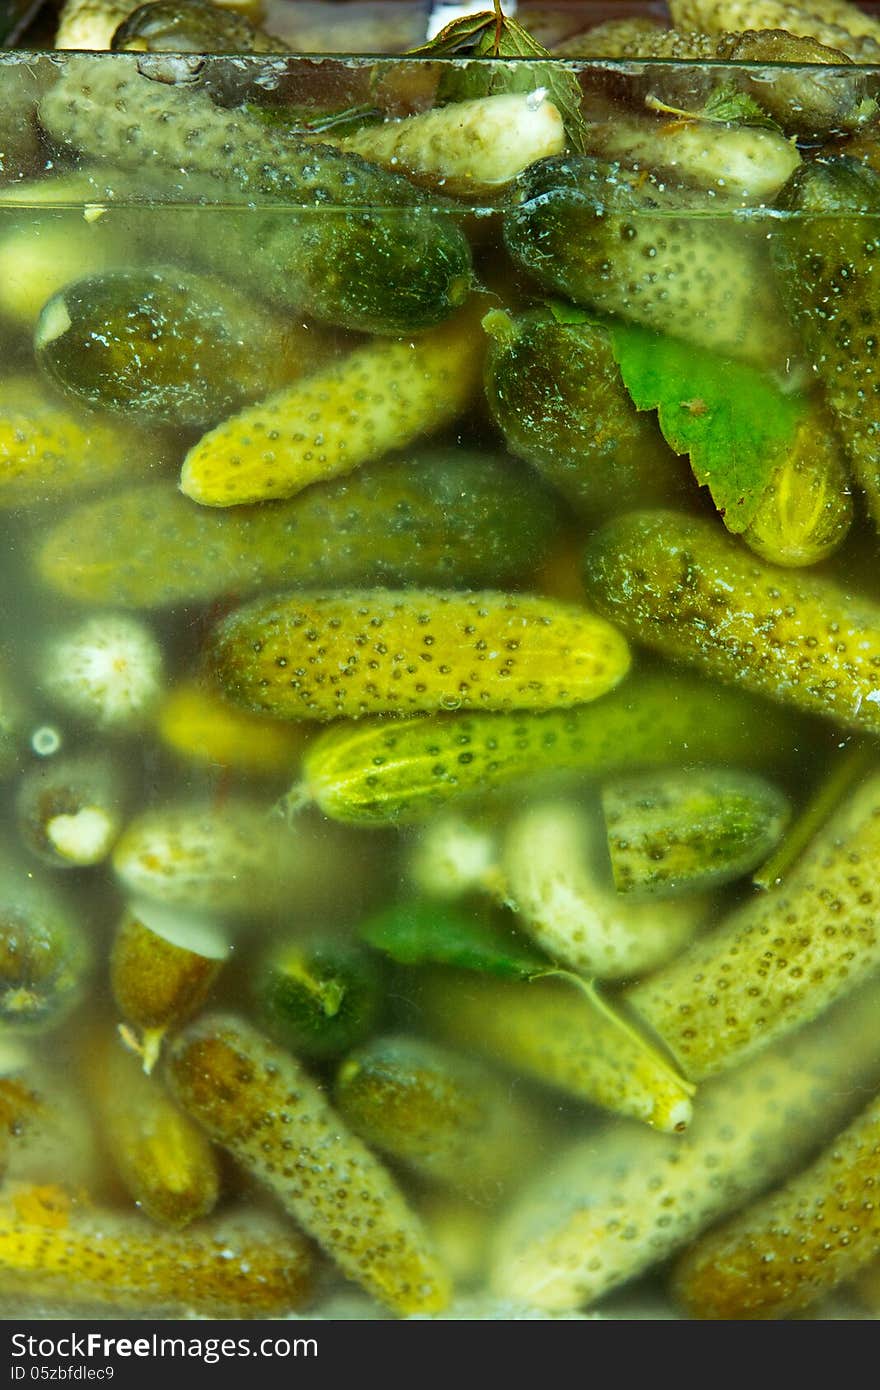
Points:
[[354, 245], [190, 26], [735, 163], [319, 997], [556, 394], [686, 829], [554, 877], [163, 1159], [48, 451], [681, 585], [776, 962], [563, 1035], [257, 1101], [383, 396], [466, 148], [591, 231], [778, 1256], [383, 773], [106, 672], [824, 255], [615, 1203], [319, 656], [444, 516], [54, 1248], [447, 1117], [166, 346]]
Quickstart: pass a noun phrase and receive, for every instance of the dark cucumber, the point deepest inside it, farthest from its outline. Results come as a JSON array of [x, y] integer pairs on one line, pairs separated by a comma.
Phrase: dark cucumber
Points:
[[347, 242]]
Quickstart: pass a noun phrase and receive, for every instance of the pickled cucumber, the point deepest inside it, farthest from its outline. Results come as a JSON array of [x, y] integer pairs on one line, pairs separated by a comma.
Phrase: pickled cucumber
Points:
[[70, 810], [319, 997], [384, 396], [825, 261], [354, 245], [778, 1256], [197, 723], [781, 958], [676, 831], [381, 773], [608, 238], [44, 954], [556, 394], [48, 452], [466, 148], [163, 964], [444, 517], [835, 22], [163, 1159], [438, 1112], [556, 881], [618, 1202], [54, 1247], [255, 1099], [190, 26], [319, 656], [106, 672], [805, 511], [168, 347], [564, 1036], [680, 585]]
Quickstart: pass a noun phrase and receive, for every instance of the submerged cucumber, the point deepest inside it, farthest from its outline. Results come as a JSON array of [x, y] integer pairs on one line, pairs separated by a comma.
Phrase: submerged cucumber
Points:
[[351, 244], [439, 517], [322, 655], [385, 772]]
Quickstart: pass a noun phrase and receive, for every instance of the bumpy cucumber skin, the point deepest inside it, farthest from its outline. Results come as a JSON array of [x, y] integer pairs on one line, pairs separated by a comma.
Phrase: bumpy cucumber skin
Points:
[[44, 955], [383, 396], [385, 772], [167, 346], [837, 23], [678, 831], [441, 517], [49, 452], [826, 262], [257, 1101], [55, 1248], [155, 983], [565, 1241], [776, 962], [582, 228], [680, 585], [556, 394], [190, 27], [441, 1113], [802, 1241], [354, 245], [368, 651]]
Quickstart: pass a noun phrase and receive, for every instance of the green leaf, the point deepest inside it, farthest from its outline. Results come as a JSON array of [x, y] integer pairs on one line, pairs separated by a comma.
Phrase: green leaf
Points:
[[418, 933], [494, 35], [730, 418], [725, 105]]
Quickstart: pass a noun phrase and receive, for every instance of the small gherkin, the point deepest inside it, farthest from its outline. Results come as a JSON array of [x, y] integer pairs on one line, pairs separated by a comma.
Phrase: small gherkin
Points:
[[346, 242], [166, 346], [191, 27], [620, 243], [445, 517], [680, 585], [556, 393], [318, 656], [826, 263]]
